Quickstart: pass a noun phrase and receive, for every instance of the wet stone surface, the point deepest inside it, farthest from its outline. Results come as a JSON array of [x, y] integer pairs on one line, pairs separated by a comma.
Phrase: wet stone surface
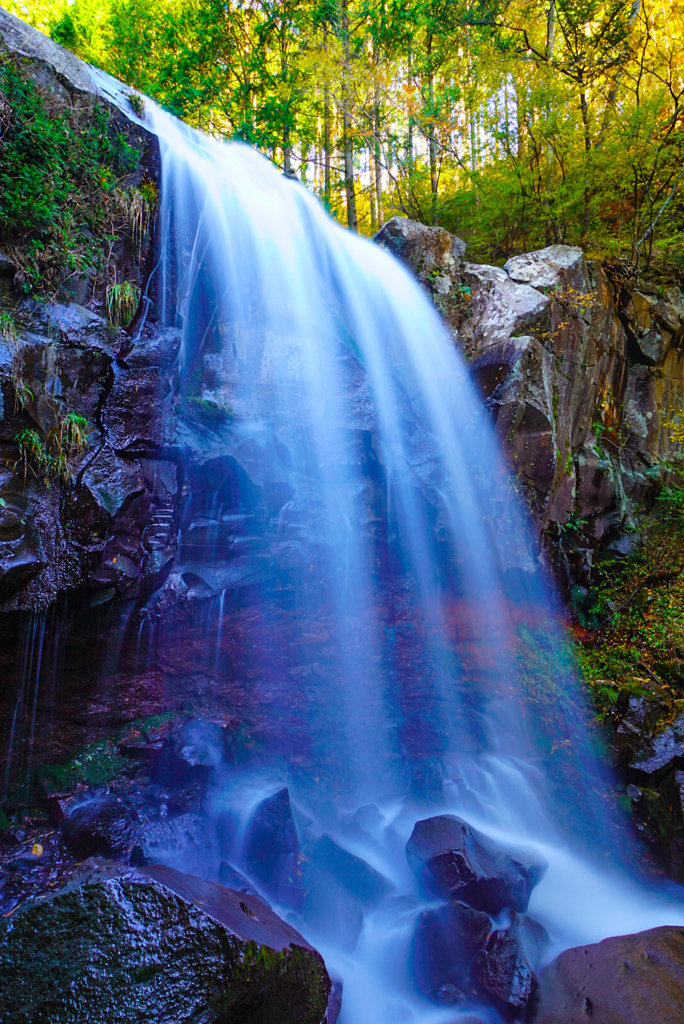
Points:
[[452, 859]]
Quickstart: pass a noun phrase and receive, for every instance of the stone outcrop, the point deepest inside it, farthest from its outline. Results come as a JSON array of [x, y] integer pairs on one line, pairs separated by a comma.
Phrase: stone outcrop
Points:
[[630, 979], [156, 944], [648, 750], [583, 371], [103, 525]]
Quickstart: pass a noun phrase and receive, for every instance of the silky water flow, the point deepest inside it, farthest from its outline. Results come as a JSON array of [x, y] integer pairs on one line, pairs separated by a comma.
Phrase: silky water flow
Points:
[[386, 527]]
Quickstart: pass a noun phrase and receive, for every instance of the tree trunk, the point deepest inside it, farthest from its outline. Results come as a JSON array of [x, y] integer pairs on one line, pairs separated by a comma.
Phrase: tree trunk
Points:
[[377, 152], [584, 107], [347, 141], [409, 133], [326, 132], [432, 142], [371, 193], [287, 153]]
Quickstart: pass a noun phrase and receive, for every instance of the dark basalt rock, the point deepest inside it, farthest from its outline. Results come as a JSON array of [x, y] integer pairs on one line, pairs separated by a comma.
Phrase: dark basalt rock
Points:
[[103, 824], [156, 945], [272, 847], [504, 972], [629, 979], [453, 860], [445, 945], [358, 877]]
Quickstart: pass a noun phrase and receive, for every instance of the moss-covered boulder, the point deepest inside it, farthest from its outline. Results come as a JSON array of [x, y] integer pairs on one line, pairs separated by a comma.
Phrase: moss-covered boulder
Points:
[[154, 945]]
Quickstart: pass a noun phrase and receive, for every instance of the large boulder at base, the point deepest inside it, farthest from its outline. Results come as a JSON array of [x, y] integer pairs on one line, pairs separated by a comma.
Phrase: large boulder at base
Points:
[[453, 860], [630, 979], [155, 945]]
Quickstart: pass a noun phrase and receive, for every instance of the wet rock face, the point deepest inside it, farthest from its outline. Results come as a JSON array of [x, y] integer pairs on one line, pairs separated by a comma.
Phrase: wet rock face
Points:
[[434, 256], [582, 373], [445, 945], [102, 825], [504, 969], [453, 860], [648, 750], [630, 979], [156, 945], [272, 848]]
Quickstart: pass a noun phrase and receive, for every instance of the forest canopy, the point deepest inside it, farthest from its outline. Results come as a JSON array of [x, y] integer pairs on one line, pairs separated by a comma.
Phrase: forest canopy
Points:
[[514, 124]]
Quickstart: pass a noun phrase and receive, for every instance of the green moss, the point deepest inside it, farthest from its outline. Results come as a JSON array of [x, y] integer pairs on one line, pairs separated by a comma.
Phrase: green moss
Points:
[[290, 977], [209, 411], [98, 764], [50, 456]]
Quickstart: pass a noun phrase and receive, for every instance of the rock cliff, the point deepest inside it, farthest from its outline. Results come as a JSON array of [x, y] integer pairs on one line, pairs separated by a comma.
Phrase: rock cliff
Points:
[[583, 371]]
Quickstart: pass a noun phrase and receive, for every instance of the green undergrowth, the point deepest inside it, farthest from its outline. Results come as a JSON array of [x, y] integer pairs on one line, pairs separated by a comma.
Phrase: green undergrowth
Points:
[[60, 177], [632, 623]]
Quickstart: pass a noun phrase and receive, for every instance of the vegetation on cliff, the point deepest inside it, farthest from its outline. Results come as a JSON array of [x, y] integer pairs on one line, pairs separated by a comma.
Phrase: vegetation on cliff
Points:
[[59, 183], [515, 124], [632, 622]]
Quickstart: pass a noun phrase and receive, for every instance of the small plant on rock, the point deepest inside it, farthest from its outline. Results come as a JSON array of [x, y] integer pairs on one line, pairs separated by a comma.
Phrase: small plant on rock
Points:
[[8, 331], [50, 456], [140, 203], [122, 302], [137, 103]]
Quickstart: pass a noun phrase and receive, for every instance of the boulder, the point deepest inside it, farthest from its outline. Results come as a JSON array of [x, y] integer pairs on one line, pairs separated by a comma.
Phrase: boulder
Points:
[[504, 970], [334, 1002], [453, 860], [501, 308], [272, 847], [445, 944], [68, 73], [430, 252], [156, 945], [629, 979], [553, 267]]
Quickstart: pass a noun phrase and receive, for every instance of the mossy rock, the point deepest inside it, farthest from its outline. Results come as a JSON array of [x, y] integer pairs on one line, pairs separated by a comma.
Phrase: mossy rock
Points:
[[120, 945], [96, 765]]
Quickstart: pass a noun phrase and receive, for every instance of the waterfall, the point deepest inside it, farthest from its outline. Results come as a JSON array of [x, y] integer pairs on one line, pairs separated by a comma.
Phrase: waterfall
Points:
[[395, 628]]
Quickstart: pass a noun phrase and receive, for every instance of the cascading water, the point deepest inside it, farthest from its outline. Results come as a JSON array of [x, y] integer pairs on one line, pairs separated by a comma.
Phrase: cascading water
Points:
[[396, 635]]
